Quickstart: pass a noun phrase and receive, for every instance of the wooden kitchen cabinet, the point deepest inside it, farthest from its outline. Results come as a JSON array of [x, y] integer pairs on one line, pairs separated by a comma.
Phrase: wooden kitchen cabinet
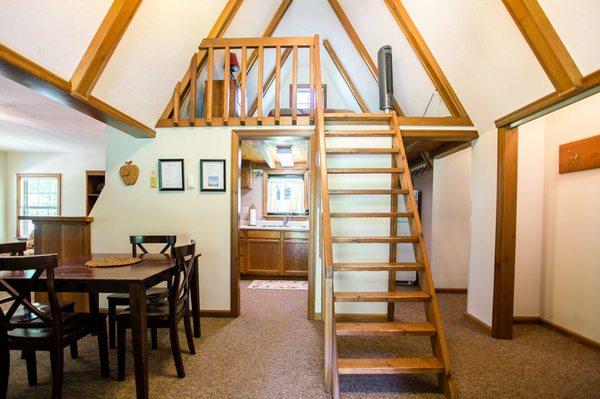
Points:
[[274, 253], [246, 175]]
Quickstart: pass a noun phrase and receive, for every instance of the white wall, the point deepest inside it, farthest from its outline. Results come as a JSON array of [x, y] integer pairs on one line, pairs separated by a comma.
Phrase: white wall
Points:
[[424, 184], [3, 189], [72, 168], [252, 197], [483, 223], [450, 230]]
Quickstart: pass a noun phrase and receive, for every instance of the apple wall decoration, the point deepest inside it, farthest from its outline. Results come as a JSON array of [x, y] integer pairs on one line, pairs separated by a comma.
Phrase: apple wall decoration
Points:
[[129, 173]]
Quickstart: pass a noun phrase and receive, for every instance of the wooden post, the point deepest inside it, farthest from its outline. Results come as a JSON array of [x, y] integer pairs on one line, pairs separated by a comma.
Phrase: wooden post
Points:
[[209, 86], [243, 85], [506, 227], [226, 87], [277, 84], [294, 94], [176, 104], [193, 78], [260, 83]]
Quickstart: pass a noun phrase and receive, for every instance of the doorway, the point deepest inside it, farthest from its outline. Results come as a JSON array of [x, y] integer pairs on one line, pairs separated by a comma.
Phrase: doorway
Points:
[[273, 171]]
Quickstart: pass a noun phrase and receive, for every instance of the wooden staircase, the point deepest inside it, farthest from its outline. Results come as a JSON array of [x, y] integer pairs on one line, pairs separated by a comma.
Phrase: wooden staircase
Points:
[[399, 192]]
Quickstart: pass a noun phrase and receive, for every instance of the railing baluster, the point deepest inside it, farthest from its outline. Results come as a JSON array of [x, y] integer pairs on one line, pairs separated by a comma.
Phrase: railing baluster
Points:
[[226, 87], [193, 78], [313, 93], [277, 84], [243, 84], [176, 104], [259, 90], [209, 87], [294, 94]]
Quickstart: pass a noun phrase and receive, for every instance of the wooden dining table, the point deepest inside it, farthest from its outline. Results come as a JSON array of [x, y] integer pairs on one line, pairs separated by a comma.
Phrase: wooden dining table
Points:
[[72, 275]]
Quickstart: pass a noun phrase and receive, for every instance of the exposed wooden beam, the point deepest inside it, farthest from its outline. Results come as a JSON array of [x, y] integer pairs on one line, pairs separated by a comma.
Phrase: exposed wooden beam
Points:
[[439, 135], [545, 44], [358, 44], [340, 67], [22, 70], [269, 81], [264, 153], [218, 30], [427, 59], [506, 231], [103, 45], [589, 83]]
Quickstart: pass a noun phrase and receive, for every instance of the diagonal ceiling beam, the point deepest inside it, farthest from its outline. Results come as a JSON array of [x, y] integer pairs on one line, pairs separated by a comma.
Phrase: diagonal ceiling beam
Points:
[[358, 44], [103, 45], [427, 59], [218, 30], [340, 67], [545, 44]]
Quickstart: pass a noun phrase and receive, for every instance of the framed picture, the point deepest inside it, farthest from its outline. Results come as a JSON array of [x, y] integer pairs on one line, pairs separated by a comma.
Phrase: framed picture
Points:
[[170, 175], [212, 175]]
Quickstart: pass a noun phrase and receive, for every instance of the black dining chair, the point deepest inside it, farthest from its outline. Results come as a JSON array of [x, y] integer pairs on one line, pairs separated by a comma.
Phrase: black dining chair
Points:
[[167, 314], [153, 294], [13, 248], [23, 327]]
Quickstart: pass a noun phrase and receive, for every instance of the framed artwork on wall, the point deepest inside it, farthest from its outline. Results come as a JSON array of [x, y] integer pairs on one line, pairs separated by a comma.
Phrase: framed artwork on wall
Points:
[[212, 175], [170, 175]]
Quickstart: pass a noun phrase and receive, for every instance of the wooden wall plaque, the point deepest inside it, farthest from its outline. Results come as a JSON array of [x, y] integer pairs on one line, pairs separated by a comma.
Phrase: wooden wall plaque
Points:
[[579, 155]]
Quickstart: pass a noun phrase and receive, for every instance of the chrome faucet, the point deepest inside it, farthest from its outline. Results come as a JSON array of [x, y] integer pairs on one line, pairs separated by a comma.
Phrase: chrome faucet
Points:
[[287, 219]]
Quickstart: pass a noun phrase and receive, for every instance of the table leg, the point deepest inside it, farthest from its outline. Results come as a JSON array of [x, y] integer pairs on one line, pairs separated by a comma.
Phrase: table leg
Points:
[[195, 292], [137, 304]]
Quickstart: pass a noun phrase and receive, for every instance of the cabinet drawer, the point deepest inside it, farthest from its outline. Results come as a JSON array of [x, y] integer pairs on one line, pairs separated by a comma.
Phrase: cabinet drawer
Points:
[[263, 234], [296, 234]]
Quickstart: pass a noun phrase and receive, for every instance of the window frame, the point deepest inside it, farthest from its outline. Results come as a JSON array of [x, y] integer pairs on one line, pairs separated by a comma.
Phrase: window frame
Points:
[[307, 86], [266, 174], [20, 176]]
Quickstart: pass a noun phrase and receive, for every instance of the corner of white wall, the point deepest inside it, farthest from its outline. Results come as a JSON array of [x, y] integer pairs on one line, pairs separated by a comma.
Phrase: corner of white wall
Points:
[[3, 194]]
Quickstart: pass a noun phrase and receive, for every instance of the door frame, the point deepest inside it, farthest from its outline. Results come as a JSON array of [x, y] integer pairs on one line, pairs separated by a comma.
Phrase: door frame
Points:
[[248, 134]]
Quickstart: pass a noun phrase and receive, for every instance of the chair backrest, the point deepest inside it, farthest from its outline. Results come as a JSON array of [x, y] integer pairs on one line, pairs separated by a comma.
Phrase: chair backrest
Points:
[[137, 241], [180, 289], [13, 248], [19, 296]]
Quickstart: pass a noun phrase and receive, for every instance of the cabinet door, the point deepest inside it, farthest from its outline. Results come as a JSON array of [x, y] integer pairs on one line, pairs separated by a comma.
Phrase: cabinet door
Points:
[[243, 255], [246, 175], [295, 257], [262, 256]]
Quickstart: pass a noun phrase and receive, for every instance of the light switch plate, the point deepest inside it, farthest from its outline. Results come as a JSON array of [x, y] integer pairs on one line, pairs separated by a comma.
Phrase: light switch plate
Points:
[[191, 182]]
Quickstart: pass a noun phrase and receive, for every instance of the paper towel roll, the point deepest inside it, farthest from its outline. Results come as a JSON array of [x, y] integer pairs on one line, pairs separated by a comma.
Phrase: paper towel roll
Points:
[[252, 221]]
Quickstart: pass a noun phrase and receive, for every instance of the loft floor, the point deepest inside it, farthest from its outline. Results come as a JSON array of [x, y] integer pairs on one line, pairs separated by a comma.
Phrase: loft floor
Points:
[[272, 351]]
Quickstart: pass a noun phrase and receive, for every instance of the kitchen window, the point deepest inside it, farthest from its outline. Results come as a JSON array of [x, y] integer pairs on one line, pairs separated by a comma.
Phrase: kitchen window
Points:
[[37, 195], [303, 96], [285, 194]]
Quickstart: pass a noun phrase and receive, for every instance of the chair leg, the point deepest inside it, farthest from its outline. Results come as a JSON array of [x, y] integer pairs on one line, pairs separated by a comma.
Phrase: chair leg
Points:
[[74, 350], [31, 361], [154, 334], [4, 370], [120, 352], [188, 333], [112, 315], [176, 349], [103, 349], [57, 361]]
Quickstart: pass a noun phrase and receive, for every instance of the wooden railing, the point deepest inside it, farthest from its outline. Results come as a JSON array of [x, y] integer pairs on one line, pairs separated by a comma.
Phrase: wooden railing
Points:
[[226, 100]]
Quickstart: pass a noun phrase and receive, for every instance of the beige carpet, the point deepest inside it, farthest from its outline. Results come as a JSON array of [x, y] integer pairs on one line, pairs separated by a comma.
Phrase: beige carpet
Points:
[[273, 352]]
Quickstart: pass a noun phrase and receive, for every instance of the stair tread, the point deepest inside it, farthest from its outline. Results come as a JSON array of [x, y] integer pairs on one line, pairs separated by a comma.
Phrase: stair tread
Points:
[[359, 133], [389, 296], [368, 192], [377, 266], [374, 240], [363, 170], [410, 365], [360, 151], [384, 329], [370, 214]]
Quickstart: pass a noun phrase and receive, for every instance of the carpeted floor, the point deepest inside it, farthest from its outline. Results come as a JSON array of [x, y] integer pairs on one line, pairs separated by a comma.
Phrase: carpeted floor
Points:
[[273, 352]]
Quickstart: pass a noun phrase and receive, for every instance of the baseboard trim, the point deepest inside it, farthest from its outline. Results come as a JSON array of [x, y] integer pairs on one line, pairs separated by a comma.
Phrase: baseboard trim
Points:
[[451, 290], [590, 343], [480, 325]]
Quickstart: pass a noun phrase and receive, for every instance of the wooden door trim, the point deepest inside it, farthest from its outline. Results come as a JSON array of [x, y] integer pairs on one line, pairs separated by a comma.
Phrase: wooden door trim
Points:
[[258, 134]]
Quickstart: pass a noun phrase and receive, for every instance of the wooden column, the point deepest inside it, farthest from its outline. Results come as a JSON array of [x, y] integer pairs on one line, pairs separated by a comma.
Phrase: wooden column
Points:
[[506, 226]]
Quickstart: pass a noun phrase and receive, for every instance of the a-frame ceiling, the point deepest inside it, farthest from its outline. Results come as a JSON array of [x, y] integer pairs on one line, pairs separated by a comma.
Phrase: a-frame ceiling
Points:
[[477, 44]]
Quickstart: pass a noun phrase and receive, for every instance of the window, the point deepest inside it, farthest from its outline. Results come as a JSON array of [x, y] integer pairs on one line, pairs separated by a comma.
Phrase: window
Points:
[[303, 96], [285, 194], [37, 195]]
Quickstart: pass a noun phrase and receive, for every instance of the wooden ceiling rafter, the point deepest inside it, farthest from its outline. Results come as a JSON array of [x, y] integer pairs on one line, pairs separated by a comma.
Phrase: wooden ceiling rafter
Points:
[[340, 67], [545, 43], [359, 46], [102, 46], [24, 71], [433, 69]]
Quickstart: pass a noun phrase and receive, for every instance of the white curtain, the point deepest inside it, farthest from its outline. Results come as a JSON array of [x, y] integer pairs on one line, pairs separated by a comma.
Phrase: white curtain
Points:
[[276, 198], [272, 188], [296, 195]]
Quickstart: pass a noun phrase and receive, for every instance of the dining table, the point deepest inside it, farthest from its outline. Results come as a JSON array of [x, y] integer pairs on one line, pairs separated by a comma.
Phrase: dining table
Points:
[[72, 275]]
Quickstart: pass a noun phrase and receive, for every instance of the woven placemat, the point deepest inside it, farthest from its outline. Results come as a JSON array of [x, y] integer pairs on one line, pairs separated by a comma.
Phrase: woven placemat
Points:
[[112, 262]]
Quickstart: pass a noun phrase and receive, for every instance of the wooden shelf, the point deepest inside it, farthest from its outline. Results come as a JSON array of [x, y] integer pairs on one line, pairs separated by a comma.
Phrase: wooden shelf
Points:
[[93, 178]]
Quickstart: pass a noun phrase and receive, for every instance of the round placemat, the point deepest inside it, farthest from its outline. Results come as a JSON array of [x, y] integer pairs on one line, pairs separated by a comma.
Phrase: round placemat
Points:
[[112, 262]]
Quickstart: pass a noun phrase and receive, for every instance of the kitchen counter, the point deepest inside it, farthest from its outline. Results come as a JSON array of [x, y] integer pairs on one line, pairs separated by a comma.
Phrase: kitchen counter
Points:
[[275, 225]]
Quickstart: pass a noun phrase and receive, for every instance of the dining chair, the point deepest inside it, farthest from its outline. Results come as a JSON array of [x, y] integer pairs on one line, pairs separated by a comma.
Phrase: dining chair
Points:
[[153, 294], [13, 248], [23, 327], [166, 314]]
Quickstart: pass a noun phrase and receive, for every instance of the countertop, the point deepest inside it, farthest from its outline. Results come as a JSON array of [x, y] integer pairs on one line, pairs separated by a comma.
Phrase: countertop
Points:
[[275, 225]]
